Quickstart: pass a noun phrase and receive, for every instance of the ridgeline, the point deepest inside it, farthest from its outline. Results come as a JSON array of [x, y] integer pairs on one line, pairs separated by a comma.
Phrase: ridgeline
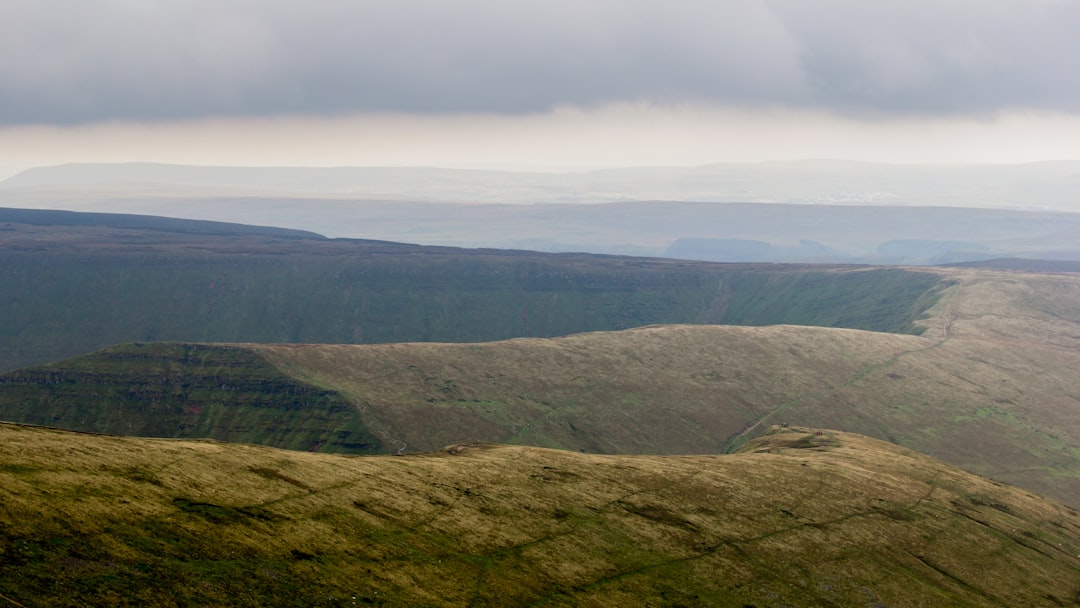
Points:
[[75, 283]]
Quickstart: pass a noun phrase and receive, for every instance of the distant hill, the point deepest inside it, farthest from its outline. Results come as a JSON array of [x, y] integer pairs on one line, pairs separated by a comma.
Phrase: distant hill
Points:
[[12, 219], [1043, 185], [991, 385], [800, 517], [796, 212], [1024, 265], [75, 283]]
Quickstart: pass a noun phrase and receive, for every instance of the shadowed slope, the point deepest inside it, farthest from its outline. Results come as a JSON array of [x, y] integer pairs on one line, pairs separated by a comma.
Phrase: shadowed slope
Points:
[[72, 288], [185, 390], [797, 518]]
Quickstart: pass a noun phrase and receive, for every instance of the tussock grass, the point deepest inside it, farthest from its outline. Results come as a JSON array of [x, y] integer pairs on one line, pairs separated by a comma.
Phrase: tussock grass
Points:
[[798, 517]]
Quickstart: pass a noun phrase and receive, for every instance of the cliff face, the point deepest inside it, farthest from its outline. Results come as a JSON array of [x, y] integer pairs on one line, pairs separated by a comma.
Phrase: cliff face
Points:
[[185, 390]]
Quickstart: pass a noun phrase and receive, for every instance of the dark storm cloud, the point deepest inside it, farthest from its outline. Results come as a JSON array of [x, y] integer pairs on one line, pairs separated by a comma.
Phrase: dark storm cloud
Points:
[[92, 60]]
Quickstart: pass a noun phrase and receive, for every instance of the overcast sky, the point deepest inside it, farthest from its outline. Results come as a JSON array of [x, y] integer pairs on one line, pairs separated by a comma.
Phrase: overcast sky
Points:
[[552, 83]]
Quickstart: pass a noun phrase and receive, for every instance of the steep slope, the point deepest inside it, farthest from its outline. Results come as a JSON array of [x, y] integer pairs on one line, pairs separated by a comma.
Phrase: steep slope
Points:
[[991, 386], [662, 389], [68, 289], [659, 389], [187, 390], [797, 518], [10, 218]]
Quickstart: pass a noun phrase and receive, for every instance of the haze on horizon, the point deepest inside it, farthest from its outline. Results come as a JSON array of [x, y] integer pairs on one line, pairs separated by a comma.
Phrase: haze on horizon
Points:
[[549, 85]]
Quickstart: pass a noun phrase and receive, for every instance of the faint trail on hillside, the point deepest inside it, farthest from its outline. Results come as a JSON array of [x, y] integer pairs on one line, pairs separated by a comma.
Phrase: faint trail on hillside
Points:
[[596, 516], [8, 599], [948, 314], [736, 440], [378, 429], [737, 543]]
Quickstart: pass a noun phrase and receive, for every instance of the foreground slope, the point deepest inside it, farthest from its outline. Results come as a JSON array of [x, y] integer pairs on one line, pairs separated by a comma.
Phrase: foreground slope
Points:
[[796, 518]]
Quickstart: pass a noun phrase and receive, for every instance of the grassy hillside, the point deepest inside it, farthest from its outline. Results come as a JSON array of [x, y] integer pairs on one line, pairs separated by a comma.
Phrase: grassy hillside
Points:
[[991, 386], [20, 219], [796, 518], [186, 390], [66, 290]]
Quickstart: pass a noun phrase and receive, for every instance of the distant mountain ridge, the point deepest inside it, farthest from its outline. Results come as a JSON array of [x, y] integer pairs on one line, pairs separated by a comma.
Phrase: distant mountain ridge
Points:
[[1045, 185], [798, 212], [47, 217]]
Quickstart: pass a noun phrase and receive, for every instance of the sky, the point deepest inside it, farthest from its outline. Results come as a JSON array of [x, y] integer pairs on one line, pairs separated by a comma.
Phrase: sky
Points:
[[543, 85]]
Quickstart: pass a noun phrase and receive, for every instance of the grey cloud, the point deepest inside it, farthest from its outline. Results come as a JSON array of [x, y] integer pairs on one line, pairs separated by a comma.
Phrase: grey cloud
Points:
[[938, 56], [72, 61]]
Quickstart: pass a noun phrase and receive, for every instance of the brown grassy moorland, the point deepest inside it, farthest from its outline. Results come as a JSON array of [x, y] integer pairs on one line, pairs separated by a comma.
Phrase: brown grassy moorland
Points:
[[797, 517], [992, 385]]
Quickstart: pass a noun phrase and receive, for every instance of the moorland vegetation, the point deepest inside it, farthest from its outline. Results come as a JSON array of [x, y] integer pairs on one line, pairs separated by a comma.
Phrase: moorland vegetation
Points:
[[798, 517], [73, 284], [457, 467]]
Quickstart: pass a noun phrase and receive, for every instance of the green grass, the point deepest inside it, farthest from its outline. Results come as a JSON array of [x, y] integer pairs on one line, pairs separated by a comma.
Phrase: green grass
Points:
[[186, 390], [798, 518], [881, 299], [64, 292], [994, 395], [1004, 340]]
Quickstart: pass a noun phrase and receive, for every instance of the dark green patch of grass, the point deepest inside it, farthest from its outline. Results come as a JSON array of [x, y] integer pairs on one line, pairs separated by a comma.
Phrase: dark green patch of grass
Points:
[[185, 390], [64, 297], [15, 468], [889, 300], [140, 475]]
